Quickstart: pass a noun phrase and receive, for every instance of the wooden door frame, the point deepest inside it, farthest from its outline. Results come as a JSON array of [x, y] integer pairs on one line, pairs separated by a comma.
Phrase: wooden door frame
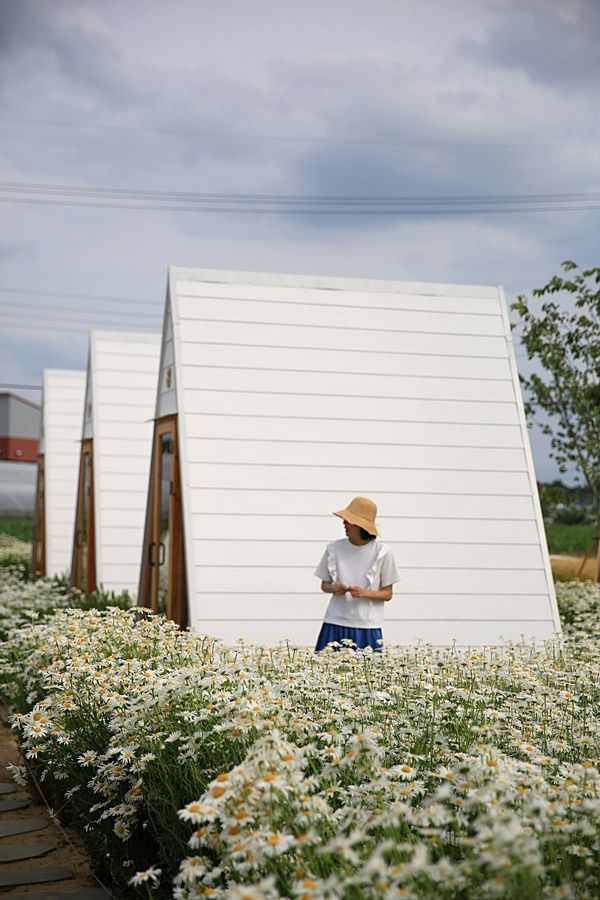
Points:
[[87, 447], [38, 557], [178, 610], [176, 580]]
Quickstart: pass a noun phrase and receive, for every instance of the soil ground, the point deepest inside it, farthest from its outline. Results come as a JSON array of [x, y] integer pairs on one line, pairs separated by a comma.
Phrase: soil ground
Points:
[[69, 853], [566, 568]]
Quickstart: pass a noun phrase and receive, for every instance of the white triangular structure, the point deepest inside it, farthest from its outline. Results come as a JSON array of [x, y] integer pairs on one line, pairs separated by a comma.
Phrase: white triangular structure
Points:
[[58, 454], [293, 394], [117, 433]]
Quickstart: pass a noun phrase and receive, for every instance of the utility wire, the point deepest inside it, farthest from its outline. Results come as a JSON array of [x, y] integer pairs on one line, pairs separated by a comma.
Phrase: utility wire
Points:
[[66, 294], [66, 329], [300, 139], [77, 312], [29, 387], [294, 204], [400, 212], [83, 191]]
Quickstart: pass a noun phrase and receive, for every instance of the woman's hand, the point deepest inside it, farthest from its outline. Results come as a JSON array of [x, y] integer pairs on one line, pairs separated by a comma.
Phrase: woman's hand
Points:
[[339, 589], [384, 593], [334, 587]]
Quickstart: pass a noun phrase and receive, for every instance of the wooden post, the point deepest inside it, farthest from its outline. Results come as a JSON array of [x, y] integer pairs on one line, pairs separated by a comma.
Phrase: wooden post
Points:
[[597, 576]]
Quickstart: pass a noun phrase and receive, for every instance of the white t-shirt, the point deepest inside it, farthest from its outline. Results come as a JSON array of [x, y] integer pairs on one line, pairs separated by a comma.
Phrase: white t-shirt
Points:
[[369, 565]]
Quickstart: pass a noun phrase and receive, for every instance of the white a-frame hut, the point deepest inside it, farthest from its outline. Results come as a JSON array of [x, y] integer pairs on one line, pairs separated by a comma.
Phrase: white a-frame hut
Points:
[[115, 460], [281, 398], [63, 392]]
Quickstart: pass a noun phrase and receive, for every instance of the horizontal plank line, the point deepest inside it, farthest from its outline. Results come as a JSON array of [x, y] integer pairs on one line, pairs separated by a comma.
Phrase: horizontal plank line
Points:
[[53, 483], [216, 462], [354, 419], [340, 350], [118, 350], [334, 284], [386, 622], [398, 596], [101, 456], [123, 422], [318, 594], [264, 490], [358, 328], [207, 487], [368, 308], [350, 443], [272, 465], [132, 528], [349, 396], [272, 441], [320, 541], [386, 518], [403, 567], [339, 372], [114, 403], [126, 490]]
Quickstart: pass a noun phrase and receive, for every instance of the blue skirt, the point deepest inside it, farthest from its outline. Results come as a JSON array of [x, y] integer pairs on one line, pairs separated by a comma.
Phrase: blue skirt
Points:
[[361, 637]]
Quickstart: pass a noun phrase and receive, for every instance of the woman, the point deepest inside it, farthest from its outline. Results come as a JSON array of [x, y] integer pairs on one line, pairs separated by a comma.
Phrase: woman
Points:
[[359, 571]]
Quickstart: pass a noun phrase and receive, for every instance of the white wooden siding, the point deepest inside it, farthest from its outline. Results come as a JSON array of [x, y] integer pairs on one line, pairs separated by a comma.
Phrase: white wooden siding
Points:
[[88, 418], [124, 374], [293, 381], [166, 400], [429, 579], [440, 632], [295, 394], [62, 415], [302, 502]]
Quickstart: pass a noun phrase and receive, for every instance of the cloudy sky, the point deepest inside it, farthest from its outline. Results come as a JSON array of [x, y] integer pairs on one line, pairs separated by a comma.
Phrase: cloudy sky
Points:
[[404, 98]]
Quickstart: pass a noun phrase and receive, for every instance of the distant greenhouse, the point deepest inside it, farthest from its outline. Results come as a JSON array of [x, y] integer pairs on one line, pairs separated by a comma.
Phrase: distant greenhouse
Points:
[[19, 429], [17, 488]]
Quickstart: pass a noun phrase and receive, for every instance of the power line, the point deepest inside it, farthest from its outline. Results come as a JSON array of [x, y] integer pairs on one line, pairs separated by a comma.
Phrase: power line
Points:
[[66, 294], [66, 329], [397, 213], [301, 139], [294, 204], [78, 312], [352, 200], [29, 387]]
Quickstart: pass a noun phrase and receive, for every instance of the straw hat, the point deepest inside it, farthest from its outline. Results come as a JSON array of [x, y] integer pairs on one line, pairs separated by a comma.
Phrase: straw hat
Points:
[[361, 511]]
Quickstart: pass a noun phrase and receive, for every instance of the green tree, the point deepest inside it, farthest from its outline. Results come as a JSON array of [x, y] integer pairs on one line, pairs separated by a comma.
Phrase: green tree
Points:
[[565, 399]]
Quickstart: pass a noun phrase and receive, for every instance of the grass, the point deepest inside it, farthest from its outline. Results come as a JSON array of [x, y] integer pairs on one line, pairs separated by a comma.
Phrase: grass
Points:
[[573, 540], [21, 528]]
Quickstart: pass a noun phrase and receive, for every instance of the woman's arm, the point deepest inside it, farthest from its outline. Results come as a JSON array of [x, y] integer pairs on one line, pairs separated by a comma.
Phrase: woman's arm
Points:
[[384, 593]]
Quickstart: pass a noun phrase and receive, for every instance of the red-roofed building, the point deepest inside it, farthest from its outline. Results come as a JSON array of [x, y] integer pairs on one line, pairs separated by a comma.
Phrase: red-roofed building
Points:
[[19, 429]]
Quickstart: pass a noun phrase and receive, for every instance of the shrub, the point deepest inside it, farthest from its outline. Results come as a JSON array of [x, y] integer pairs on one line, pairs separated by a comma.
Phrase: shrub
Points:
[[572, 515]]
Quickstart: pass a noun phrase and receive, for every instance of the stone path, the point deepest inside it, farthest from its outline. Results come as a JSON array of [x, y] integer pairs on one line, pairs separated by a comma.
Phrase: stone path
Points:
[[37, 862]]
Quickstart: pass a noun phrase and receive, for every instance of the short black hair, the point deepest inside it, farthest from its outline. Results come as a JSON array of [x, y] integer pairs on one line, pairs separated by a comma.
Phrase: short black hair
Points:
[[366, 535]]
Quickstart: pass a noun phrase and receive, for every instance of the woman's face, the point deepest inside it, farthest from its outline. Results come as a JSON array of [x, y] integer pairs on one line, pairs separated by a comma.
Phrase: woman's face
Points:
[[353, 533]]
